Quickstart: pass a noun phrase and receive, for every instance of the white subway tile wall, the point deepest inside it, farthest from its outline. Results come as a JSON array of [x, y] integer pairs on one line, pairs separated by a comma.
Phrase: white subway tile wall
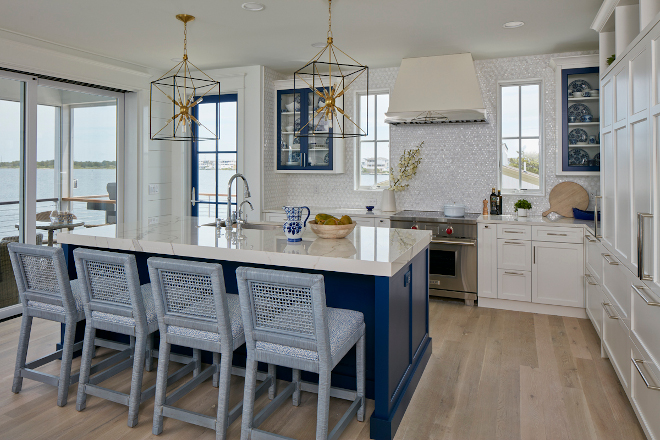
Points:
[[459, 161], [275, 185]]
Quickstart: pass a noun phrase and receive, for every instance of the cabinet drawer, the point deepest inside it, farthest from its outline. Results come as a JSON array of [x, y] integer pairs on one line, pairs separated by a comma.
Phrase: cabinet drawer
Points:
[[616, 339], [557, 234], [594, 257], [514, 254], [516, 232], [645, 319], [595, 299], [364, 221], [645, 391], [382, 222], [514, 284], [616, 284]]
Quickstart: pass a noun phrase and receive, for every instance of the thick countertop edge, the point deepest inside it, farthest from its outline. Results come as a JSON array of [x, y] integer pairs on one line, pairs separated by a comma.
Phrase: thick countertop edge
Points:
[[565, 222], [353, 212], [312, 262]]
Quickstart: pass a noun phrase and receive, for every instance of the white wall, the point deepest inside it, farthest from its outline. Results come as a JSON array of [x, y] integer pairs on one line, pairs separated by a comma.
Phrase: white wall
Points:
[[459, 161]]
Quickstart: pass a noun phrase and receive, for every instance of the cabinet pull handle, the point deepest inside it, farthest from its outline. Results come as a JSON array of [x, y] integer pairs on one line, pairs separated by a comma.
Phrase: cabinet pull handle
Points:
[[590, 277], [608, 312], [591, 239], [517, 243], [486, 227], [515, 274], [554, 233], [596, 216], [640, 245], [609, 260], [636, 363], [534, 256], [648, 302], [513, 232]]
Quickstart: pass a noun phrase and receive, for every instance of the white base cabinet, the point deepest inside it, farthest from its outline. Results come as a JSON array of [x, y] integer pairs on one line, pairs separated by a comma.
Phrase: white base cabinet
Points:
[[487, 263], [558, 274], [514, 284]]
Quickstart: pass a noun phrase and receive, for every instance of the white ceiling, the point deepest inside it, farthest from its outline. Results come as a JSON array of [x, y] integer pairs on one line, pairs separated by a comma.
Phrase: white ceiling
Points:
[[377, 33]]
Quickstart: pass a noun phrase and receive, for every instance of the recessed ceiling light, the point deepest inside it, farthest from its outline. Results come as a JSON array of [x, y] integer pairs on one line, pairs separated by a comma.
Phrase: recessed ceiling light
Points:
[[513, 24], [254, 7], [320, 44]]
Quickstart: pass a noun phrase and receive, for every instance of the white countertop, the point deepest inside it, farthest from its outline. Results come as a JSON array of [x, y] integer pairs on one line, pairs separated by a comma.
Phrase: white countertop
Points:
[[353, 212], [367, 250], [537, 220]]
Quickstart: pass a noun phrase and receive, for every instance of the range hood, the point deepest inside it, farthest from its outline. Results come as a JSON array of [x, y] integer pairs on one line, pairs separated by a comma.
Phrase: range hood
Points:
[[436, 90]]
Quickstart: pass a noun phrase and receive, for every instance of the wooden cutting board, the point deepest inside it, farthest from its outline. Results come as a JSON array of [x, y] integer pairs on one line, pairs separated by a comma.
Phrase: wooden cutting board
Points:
[[566, 196]]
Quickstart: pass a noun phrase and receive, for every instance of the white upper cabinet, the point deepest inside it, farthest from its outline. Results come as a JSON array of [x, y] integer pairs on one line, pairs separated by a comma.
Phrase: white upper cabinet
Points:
[[621, 94], [640, 74]]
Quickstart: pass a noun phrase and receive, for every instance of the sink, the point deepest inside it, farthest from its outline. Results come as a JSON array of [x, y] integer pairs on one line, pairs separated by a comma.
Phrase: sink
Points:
[[262, 226]]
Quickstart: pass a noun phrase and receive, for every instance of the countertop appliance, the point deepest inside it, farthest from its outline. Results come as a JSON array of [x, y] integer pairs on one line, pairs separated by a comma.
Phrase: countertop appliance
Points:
[[453, 251]]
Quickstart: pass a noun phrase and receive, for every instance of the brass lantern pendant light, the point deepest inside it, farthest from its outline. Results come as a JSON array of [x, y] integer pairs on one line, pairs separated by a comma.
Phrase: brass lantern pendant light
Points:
[[329, 78], [174, 95]]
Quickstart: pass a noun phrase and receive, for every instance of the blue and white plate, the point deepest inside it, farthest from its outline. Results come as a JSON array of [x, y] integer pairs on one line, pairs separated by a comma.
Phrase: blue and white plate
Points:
[[578, 110], [295, 156], [578, 135], [296, 140], [326, 158], [296, 125], [327, 141], [596, 159], [578, 85], [297, 101], [578, 157]]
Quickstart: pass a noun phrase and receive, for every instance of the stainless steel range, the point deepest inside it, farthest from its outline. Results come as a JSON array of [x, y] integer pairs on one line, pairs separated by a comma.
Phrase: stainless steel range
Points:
[[453, 251]]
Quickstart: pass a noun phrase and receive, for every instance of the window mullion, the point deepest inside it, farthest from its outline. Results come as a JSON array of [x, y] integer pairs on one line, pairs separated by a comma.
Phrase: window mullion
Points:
[[520, 138]]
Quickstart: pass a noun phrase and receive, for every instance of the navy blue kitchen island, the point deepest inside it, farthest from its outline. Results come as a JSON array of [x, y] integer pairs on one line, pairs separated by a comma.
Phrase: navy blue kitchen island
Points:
[[380, 272]]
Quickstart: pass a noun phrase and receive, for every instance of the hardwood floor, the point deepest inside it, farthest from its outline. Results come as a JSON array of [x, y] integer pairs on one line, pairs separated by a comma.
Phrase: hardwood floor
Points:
[[494, 374]]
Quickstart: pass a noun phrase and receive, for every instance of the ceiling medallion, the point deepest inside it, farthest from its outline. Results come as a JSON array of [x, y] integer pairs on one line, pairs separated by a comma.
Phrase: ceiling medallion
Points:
[[174, 95], [329, 79]]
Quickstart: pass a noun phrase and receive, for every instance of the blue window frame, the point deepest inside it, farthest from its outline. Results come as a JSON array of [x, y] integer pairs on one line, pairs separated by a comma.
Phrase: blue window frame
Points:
[[214, 161]]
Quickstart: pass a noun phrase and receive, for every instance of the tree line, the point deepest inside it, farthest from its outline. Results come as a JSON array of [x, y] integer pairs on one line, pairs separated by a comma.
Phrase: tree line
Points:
[[106, 164]]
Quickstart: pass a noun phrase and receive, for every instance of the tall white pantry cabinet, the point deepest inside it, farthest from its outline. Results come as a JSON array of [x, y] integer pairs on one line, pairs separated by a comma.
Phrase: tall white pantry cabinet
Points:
[[626, 280]]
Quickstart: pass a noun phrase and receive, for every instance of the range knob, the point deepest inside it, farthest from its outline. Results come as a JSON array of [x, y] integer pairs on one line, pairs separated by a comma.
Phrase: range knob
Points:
[[414, 227], [450, 230]]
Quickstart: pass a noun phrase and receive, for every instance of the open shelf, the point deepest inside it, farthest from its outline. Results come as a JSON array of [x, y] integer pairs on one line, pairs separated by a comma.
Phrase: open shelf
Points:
[[584, 146], [571, 124], [590, 98]]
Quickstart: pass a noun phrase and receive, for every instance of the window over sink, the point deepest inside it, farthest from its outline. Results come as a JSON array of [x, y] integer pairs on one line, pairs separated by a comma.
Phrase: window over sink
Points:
[[372, 157], [520, 137]]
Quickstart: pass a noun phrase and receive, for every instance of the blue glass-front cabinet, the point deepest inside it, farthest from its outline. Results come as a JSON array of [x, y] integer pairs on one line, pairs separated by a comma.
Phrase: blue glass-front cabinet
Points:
[[578, 116], [318, 154]]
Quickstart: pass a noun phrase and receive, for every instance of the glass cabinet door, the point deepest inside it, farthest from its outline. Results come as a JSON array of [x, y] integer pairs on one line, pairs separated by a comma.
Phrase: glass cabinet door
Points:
[[299, 114], [581, 119]]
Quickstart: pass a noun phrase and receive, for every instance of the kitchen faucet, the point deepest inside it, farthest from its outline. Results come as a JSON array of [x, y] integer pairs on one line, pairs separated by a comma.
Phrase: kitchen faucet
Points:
[[242, 215], [230, 219]]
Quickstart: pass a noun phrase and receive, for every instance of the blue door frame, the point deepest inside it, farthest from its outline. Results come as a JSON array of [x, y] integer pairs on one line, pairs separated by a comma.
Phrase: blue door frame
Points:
[[194, 176]]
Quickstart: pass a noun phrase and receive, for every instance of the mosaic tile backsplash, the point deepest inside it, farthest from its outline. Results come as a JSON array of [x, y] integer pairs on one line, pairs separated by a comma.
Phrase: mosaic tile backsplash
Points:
[[459, 161]]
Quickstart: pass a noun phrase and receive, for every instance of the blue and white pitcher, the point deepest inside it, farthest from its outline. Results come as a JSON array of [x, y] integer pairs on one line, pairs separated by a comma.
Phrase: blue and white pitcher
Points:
[[294, 226]]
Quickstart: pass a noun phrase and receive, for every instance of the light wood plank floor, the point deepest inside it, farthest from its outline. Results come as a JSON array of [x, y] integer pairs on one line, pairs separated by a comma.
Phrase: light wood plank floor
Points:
[[493, 374]]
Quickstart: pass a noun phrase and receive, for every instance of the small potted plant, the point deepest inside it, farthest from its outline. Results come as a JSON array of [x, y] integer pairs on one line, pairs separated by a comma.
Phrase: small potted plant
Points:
[[521, 207]]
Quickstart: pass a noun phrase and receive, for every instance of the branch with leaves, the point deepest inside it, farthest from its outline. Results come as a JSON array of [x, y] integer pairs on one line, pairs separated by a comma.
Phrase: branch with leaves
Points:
[[406, 169]]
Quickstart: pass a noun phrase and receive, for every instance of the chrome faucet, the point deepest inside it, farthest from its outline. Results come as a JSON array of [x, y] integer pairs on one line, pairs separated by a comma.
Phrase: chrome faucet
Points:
[[242, 215], [230, 219]]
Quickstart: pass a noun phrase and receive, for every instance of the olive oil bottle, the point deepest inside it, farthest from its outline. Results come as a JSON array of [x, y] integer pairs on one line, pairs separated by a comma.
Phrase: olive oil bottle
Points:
[[499, 202], [493, 203]]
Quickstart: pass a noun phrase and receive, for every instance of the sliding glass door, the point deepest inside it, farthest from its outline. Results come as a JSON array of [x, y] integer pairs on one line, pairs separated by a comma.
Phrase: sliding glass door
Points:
[[59, 149]]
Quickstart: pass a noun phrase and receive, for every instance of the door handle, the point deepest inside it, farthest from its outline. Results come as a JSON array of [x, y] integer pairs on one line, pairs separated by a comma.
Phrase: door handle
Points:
[[192, 199], [590, 277], [517, 243], [591, 239], [648, 302], [636, 363], [534, 255], [515, 274], [596, 216], [640, 246], [457, 242], [609, 260], [607, 312], [513, 232], [554, 233]]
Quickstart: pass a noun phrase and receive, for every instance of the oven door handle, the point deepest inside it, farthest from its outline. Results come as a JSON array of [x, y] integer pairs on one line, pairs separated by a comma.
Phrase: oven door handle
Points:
[[456, 242]]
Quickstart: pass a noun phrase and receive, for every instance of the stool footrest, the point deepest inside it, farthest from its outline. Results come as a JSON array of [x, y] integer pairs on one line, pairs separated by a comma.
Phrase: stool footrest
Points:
[[190, 385], [115, 369], [240, 371], [51, 357], [258, 434], [100, 342], [40, 377], [272, 406], [339, 393], [107, 394], [345, 419], [189, 417]]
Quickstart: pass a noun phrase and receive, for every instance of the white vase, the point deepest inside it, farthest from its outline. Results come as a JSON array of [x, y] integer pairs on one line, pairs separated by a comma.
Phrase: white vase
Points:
[[522, 212], [389, 201]]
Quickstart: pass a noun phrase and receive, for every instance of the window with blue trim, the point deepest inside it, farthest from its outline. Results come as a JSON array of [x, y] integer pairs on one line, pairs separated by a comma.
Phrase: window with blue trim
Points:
[[215, 161]]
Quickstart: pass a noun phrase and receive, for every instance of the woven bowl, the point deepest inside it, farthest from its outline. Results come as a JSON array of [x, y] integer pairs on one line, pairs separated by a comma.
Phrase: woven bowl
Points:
[[331, 231]]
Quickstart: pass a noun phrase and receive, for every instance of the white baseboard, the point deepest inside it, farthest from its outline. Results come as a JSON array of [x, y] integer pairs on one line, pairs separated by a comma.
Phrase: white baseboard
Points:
[[10, 311], [521, 306]]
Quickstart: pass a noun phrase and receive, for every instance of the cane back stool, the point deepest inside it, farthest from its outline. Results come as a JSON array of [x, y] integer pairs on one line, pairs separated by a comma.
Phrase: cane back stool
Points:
[[287, 323]]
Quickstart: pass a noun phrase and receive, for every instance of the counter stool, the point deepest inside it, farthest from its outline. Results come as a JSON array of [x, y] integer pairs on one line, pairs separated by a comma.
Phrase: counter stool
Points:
[[287, 323], [46, 292], [195, 311], [115, 301]]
